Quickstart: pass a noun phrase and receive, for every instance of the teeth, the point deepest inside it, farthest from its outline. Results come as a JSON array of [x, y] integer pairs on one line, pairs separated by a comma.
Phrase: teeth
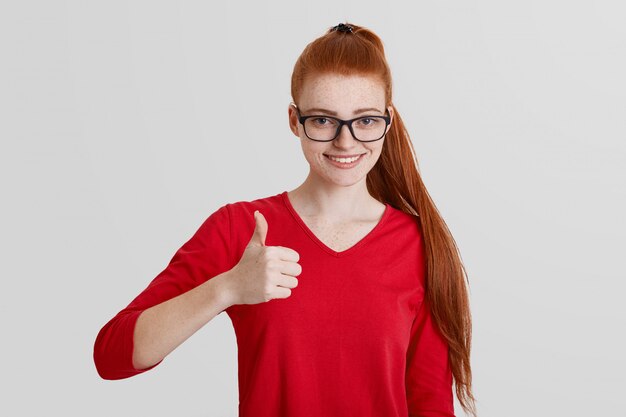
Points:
[[344, 160]]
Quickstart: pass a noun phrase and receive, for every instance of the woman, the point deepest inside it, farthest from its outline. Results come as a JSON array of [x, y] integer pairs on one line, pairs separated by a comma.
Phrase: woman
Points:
[[347, 294]]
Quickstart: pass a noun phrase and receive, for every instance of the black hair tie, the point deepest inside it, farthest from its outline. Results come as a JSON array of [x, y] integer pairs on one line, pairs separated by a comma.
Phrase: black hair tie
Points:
[[342, 28]]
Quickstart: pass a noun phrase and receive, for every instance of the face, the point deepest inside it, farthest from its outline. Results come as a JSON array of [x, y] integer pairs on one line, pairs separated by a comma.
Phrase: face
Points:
[[343, 95]]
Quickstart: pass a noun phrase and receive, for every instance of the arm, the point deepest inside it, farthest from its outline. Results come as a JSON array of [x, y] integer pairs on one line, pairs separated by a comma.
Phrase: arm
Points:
[[162, 328], [428, 374], [180, 300]]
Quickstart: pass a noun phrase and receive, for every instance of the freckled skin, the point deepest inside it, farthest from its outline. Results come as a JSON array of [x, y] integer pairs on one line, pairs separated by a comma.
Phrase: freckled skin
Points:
[[342, 94]]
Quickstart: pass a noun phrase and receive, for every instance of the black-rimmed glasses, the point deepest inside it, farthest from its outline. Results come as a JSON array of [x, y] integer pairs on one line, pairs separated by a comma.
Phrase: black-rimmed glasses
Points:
[[322, 128]]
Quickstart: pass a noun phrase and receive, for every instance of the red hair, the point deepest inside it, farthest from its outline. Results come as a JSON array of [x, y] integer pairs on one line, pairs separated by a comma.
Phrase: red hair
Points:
[[395, 179]]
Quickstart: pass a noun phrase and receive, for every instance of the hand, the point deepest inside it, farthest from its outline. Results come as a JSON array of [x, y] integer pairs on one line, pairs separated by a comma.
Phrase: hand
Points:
[[263, 272]]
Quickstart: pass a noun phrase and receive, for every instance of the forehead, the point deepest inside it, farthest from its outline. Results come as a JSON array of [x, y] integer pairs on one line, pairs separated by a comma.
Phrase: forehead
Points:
[[342, 93]]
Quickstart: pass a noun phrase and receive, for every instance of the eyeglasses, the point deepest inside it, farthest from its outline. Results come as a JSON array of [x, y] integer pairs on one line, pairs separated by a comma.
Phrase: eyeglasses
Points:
[[321, 128]]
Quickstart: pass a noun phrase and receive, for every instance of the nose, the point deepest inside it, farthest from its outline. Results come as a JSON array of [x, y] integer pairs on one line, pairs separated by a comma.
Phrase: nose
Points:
[[345, 136]]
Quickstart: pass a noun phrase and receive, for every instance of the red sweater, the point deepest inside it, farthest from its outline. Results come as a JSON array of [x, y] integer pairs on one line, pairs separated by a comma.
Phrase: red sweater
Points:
[[355, 338]]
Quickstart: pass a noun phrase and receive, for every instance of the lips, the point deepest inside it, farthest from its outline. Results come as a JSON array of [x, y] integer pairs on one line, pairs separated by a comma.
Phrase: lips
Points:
[[344, 156]]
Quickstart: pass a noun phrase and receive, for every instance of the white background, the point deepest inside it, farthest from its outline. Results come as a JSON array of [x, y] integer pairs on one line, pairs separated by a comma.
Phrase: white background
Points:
[[124, 124]]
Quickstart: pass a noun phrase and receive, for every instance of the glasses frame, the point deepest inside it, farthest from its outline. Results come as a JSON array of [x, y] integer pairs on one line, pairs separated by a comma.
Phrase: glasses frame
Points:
[[342, 122]]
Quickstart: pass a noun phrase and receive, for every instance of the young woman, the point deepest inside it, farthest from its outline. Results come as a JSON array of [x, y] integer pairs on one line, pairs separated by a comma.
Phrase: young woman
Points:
[[347, 294]]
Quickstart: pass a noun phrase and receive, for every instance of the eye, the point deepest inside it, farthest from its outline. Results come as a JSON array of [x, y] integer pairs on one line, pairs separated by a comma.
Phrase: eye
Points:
[[322, 122], [316, 120], [368, 121]]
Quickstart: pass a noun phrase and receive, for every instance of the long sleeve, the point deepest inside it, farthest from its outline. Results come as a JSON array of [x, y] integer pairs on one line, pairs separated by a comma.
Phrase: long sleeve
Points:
[[428, 374], [205, 255]]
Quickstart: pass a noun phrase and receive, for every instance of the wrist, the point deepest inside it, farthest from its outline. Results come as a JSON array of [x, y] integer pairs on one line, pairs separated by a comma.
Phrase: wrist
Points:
[[223, 290]]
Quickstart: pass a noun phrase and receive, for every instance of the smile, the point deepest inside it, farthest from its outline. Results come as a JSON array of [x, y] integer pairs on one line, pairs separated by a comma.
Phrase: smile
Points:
[[344, 162]]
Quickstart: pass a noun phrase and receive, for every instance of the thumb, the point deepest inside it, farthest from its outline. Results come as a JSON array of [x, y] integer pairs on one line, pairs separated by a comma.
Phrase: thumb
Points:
[[260, 229]]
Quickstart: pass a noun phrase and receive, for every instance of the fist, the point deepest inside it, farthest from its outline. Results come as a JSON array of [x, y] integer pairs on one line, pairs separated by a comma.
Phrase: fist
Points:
[[263, 272]]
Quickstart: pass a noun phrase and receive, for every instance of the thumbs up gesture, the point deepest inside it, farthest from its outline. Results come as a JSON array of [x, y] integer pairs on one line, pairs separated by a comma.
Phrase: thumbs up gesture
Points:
[[263, 272]]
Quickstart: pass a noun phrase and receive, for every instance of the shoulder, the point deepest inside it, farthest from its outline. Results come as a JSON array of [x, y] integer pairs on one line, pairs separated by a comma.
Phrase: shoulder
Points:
[[244, 209], [242, 222], [238, 216], [400, 220]]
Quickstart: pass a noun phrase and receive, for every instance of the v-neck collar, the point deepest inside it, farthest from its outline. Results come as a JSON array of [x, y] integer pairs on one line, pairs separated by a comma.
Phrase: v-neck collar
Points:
[[314, 238]]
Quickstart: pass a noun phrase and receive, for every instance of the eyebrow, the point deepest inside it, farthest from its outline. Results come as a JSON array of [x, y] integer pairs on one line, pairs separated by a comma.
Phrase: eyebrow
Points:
[[334, 113]]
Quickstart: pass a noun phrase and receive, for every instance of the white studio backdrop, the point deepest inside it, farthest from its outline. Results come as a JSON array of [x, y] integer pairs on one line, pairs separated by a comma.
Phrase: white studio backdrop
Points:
[[124, 124]]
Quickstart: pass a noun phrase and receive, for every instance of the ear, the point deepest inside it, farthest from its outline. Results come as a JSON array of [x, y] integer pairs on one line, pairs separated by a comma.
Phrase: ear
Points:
[[391, 115], [293, 119]]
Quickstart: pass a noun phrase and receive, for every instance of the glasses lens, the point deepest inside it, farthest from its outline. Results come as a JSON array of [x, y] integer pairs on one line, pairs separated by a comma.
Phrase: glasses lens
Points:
[[365, 128], [369, 128], [320, 128]]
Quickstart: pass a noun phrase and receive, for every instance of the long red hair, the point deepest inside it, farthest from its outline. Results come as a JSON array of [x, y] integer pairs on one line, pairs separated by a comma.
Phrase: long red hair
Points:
[[395, 179]]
